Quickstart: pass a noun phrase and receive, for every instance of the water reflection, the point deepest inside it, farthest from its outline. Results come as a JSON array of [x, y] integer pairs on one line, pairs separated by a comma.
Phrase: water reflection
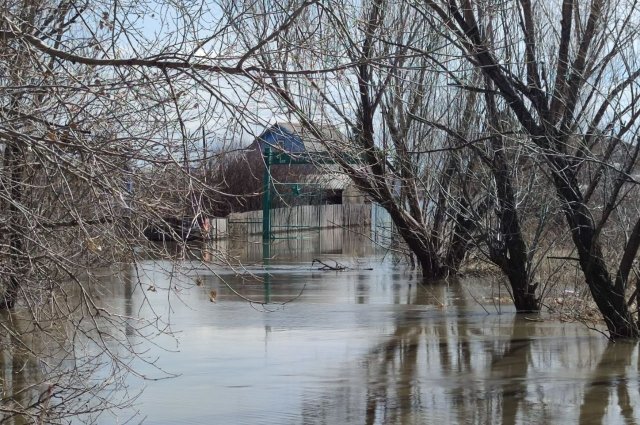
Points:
[[21, 379], [458, 368], [379, 347], [355, 347], [609, 384], [301, 247]]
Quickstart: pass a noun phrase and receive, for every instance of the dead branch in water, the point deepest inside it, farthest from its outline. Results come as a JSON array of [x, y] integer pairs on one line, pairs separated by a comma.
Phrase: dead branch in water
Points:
[[325, 266]]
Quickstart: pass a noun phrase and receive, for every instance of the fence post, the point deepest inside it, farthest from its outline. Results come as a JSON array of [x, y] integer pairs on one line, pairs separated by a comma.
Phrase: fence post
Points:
[[266, 204]]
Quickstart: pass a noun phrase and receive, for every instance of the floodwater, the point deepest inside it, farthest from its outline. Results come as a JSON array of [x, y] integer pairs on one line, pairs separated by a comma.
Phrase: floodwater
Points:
[[367, 345]]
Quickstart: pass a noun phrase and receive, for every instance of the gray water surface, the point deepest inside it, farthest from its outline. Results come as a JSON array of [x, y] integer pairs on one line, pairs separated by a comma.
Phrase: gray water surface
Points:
[[367, 345], [377, 347]]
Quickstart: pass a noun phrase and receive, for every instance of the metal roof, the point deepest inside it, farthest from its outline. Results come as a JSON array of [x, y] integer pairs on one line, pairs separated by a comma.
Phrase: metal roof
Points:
[[296, 138]]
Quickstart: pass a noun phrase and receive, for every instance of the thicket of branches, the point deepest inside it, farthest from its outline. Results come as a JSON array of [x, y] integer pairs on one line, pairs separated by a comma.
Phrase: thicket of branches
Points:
[[236, 182], [476, 125], [98, 108], [450, 104]]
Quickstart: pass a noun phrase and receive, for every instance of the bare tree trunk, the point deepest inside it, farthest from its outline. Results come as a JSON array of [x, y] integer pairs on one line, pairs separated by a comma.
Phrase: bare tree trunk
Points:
[[418, 243], [512, 257], [610, 301], [566, 115]]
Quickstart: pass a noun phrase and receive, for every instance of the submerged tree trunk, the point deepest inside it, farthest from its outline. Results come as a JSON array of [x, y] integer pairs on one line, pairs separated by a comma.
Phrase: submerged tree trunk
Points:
[[511, 256], [611, 300], [511, 253], [417, 242]]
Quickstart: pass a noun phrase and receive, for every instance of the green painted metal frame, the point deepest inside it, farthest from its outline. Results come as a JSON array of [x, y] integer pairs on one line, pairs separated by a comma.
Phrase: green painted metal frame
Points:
[[280, 158], [283, 158], [266, 204]]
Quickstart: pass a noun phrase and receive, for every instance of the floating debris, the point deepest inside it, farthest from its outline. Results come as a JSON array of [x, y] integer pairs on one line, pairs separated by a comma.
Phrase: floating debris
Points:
[[325, 266], [534, 319]]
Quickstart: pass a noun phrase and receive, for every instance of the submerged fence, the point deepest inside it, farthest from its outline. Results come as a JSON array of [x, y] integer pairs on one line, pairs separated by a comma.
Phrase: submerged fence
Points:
[[307, 217]]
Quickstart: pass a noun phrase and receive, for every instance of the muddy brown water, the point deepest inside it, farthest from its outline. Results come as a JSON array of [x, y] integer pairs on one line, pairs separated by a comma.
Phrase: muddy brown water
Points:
[[362, 346]]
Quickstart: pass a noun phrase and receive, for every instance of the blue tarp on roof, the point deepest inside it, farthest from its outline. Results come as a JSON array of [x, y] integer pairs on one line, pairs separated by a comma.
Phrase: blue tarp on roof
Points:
[[281, 139]]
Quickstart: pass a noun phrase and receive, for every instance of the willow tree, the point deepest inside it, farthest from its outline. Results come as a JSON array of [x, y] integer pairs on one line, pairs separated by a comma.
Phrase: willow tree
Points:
[[568, 76], [416, 139]]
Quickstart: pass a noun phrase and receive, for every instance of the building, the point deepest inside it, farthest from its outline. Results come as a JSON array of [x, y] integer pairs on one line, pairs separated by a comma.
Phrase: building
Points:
[[325, 180]]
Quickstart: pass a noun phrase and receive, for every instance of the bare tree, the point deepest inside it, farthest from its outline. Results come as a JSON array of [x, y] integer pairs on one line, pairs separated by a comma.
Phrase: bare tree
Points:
[[102, 107], [416, 137], [568, 78], [368, 81]]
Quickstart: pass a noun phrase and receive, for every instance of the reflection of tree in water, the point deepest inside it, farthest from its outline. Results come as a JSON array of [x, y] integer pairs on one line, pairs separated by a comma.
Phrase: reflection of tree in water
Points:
[[392, 371], [509, 368], [56, 372], [362, 290], [18, 373], [608, 377], [440, 365]]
